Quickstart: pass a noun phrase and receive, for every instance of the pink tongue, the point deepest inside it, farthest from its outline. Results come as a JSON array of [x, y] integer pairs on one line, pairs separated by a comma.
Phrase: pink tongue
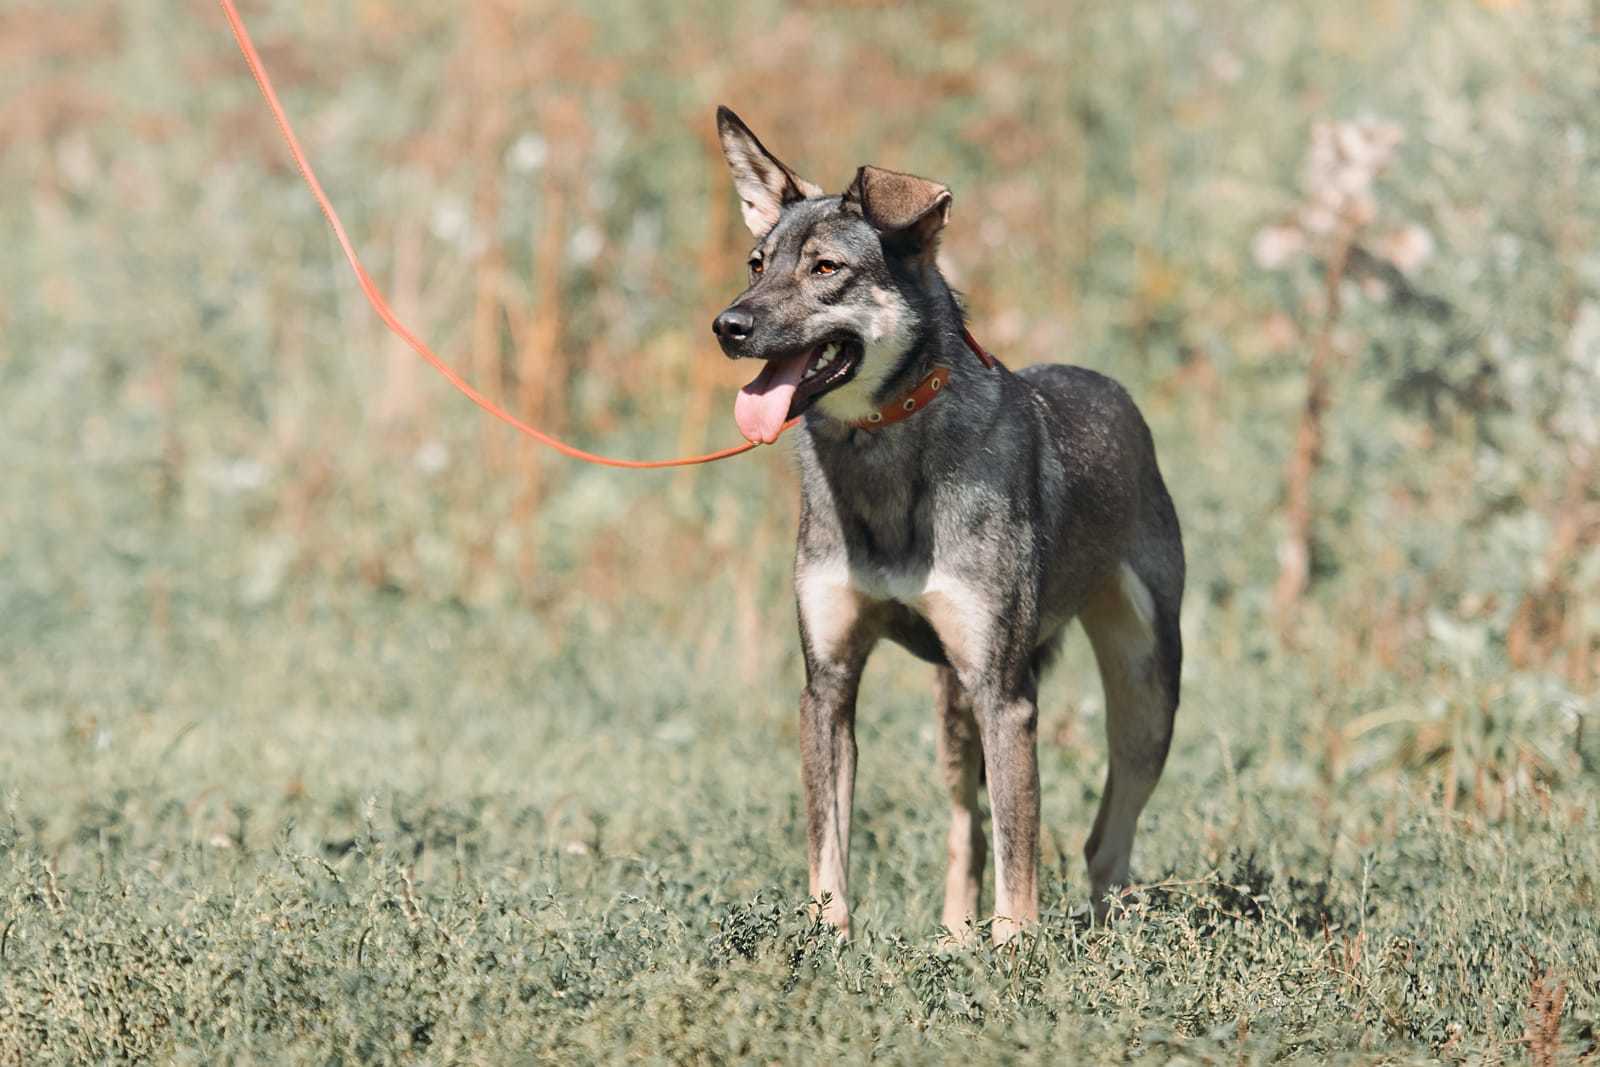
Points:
[[763, 405]]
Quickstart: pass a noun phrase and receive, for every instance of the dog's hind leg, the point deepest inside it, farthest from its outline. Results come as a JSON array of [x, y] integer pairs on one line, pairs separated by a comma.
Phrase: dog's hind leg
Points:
[[961, 764], [1134, 635]]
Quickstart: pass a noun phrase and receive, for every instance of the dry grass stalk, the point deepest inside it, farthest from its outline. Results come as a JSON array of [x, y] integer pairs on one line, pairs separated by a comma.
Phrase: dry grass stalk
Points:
[[487, 366], [703, 379], [1294, 552], [1546, 999], [401, 402], [1343, 161], [1549, 622]]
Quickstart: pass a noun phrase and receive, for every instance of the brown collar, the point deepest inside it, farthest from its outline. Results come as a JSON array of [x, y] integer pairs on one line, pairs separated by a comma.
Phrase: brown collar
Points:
[[920, 397]]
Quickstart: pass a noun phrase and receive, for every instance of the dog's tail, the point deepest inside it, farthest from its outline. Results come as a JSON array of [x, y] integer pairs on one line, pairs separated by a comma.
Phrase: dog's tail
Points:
[[1158, 561]]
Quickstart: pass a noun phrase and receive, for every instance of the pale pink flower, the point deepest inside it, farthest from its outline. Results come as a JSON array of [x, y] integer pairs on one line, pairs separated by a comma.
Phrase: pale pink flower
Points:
[[1407, 248], [1276, 245]]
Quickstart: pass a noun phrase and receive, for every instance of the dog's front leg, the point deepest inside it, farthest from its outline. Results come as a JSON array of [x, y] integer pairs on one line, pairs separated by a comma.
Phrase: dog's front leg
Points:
[[828, 764], [1008, 720], [837, 632], [991, 653]]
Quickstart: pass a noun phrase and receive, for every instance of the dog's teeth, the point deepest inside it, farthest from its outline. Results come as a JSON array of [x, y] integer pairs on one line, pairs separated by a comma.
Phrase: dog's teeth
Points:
[[823, 362]]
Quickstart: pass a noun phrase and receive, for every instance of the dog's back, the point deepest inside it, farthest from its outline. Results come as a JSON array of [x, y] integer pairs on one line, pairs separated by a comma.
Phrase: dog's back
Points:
[[1121, 511]]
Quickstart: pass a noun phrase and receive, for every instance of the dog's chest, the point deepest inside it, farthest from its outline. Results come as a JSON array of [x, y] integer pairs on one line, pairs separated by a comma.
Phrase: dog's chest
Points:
[[876, 539], [881, 584], [886, 524]]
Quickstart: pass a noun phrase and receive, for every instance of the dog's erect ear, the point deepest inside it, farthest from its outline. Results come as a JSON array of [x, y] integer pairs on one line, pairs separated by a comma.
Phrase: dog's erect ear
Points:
[[763, 183], [904, 208]]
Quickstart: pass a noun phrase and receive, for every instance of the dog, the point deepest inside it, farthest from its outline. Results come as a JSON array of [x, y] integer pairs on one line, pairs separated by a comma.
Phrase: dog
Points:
[[963, 511]]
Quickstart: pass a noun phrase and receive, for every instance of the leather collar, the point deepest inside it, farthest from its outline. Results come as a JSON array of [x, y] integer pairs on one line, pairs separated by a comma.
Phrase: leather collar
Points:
[[908, 404]]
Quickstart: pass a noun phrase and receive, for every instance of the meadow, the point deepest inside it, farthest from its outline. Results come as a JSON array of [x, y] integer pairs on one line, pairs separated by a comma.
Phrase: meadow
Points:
[[338, 725]]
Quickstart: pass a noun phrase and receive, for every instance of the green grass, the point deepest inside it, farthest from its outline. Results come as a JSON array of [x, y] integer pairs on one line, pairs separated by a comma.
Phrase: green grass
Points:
[[370, 828], [337, 728]]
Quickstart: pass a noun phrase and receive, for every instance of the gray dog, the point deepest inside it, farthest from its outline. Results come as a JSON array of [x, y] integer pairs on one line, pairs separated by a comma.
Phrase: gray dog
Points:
[[963, 511]]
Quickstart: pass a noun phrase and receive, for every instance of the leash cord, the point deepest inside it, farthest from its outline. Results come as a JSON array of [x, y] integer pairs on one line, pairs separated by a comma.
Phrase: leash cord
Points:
[[381, 306]]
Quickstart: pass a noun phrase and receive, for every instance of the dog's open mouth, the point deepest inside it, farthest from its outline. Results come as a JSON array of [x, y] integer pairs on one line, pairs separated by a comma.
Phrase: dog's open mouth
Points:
[[790, 384]]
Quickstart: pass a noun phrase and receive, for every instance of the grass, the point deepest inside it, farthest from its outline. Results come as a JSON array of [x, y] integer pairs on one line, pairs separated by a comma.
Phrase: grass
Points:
[[337, 727], [402, 833]]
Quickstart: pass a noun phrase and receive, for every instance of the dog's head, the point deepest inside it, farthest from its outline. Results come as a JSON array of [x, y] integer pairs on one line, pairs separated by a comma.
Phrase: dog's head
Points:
[[835, 283]]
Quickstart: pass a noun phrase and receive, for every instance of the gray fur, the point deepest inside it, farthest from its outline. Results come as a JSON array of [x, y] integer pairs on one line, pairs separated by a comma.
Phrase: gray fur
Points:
[[972, 534]]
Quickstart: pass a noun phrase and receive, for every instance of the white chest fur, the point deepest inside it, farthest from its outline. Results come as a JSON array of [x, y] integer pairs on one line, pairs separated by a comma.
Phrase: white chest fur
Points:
[[833, 596]]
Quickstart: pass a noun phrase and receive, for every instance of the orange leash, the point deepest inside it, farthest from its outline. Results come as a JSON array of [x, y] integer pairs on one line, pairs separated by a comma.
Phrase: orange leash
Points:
[[381, 306]]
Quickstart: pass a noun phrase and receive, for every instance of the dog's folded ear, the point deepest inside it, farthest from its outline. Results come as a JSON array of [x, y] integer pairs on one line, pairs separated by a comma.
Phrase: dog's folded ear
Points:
[[906, 209], [764, 184]]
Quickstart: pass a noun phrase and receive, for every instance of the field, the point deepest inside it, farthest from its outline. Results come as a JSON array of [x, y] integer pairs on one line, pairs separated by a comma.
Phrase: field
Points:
[[339, 726]]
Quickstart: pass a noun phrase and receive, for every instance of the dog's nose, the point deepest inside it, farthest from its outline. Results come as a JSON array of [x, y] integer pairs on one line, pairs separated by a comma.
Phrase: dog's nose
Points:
[[734, 324]]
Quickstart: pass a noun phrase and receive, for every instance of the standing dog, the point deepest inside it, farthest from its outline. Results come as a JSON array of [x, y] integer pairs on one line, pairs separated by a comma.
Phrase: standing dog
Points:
[[963, 511]]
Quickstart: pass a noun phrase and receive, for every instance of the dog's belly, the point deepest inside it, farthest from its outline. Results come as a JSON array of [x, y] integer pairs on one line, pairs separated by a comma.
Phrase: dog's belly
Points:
[[906, 628]]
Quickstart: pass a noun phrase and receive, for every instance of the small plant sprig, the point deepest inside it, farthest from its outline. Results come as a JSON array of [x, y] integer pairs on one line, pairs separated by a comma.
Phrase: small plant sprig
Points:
[[1334, 224]]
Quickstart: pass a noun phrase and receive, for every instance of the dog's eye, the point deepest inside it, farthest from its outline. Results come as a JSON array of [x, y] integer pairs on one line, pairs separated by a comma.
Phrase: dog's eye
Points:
[[756, 267], [825, 266]]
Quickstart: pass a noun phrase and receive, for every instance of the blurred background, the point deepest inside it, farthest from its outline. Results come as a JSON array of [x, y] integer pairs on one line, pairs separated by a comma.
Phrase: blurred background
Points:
[[1389, 209], [257, 562]]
